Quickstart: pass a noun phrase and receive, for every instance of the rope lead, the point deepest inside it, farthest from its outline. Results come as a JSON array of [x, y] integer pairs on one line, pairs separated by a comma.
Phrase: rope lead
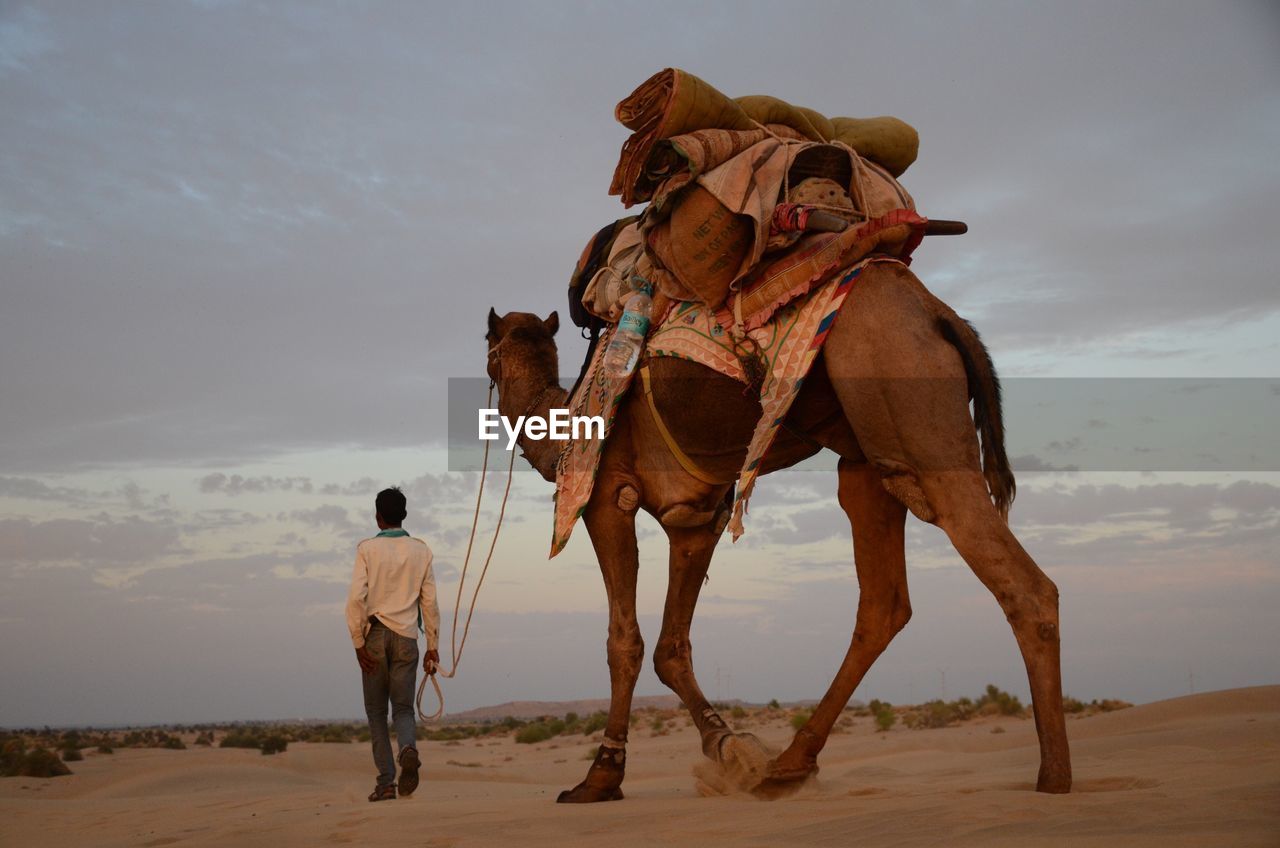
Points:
[[456, 652]]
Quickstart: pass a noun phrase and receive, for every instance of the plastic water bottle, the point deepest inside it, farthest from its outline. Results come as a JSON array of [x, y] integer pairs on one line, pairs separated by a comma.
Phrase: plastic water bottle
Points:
[[624, 349]]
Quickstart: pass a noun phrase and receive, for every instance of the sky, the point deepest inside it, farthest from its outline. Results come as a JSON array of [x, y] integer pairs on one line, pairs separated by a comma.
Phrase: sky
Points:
[[244, 246]]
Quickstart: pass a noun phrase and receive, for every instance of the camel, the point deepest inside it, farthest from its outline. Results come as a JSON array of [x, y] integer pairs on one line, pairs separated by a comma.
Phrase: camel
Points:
[[890, 396]]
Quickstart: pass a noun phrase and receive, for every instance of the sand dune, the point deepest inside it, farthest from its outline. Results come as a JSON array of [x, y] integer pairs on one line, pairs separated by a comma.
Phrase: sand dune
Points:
[[1201, 770]]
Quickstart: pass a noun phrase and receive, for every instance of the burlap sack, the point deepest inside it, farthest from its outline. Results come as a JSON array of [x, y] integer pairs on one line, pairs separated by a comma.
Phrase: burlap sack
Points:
[[703, 245]]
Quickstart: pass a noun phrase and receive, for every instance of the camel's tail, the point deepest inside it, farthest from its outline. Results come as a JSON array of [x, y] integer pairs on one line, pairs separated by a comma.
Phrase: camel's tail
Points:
[[988, 419]]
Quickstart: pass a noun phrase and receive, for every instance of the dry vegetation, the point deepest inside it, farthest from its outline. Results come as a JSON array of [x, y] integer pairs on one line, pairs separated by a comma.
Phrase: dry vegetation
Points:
[[46, 752]]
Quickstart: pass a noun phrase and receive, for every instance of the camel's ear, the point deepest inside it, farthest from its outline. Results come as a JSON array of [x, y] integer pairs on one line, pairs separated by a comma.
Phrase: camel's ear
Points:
[[552, 323], [495, 323]]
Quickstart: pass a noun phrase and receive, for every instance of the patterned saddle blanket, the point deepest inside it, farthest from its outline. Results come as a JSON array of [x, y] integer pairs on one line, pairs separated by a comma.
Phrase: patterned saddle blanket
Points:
[[778, 354]]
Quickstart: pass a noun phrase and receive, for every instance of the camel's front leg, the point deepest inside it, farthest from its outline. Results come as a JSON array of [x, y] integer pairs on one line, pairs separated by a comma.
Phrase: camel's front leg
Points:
[[691, 550], [613, 534], [878, 522]]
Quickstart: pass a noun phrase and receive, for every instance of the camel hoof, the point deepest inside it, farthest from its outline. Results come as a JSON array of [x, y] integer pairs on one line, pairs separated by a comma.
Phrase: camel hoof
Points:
[[780, 781], [1054, 786], [713, 744], [603, 781], [584, 794], [775, 772], [771, 789], [736, 764]]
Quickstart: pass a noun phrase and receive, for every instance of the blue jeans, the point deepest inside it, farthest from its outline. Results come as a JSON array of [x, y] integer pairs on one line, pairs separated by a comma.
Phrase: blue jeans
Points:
[[393, 680]]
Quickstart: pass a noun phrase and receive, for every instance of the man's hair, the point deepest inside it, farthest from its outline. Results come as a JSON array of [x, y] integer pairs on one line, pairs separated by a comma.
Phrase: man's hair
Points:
[[391, 505]]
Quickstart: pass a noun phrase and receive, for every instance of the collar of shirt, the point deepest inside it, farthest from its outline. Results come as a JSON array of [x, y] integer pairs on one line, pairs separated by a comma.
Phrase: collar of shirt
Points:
[[393, 533]]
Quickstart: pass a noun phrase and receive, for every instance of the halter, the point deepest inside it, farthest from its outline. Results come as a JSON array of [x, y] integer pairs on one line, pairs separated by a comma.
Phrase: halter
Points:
[[552, 385]]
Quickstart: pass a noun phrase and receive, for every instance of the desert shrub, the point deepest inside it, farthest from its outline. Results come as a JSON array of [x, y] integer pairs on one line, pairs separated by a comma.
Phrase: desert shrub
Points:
[[366, 736], [595, 721], [105, 749], [41, 763], [659, 724], [1071, 705], [935, 714], [274, 744], [450, 733], [1109, 705], [71, 755], [774, 705], [800, 718], [998, 702], [738, 713], [336, 733], [151, 739], [885, 716], [241, 739], [205, 739], [12, 754], [539, 731]]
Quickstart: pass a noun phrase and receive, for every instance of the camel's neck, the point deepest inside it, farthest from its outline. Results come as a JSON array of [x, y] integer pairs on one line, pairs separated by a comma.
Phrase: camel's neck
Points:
[[531, 396]]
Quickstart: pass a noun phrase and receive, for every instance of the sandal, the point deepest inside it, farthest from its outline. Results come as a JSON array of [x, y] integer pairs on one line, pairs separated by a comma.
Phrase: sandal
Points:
[[383, 793], [409, 764]]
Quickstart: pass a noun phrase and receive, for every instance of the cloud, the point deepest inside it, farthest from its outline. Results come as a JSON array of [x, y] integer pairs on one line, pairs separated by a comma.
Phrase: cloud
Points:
[[208, 220], [1181, 507], [29, 488], [363, 486], [238, 485], [102, 540], [809, 525], [24, 39], [329, 516], [1031, 462]]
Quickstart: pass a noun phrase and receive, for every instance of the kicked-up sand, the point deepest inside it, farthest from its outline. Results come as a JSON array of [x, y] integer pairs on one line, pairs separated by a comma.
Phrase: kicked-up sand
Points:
[[1195, 771]]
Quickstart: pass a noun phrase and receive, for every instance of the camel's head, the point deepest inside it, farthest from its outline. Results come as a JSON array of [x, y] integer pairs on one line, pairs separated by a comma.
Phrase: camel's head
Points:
[[522, 345]]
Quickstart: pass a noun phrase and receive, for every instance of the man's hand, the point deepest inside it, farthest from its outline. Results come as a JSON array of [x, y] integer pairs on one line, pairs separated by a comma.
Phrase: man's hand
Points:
[[431, 662], [368, 662]]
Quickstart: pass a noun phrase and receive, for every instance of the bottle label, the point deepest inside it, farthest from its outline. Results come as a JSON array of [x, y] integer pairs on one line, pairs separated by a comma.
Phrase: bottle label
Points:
[[633, 323]]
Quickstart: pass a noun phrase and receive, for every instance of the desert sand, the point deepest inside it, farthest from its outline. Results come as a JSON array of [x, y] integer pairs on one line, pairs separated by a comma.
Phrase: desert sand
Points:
[[1199, 770]]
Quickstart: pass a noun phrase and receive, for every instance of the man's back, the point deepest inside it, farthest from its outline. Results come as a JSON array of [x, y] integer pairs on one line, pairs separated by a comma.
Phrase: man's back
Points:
[[393, 572]]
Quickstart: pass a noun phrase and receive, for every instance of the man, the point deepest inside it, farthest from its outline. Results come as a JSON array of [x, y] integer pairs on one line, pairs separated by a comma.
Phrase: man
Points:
[[393, 592]]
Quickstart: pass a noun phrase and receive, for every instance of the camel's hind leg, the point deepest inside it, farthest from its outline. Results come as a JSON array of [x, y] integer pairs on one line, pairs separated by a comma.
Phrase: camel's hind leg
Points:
[[906, 395], [613, 534], [1027, 596], [883, 608], [691, 550]]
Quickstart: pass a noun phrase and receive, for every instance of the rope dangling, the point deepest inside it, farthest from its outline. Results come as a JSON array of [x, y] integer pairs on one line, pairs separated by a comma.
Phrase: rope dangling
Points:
[[456, 648]]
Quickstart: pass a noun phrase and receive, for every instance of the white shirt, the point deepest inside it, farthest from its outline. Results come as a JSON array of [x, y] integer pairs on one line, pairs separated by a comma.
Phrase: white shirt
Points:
[[393, 580]]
